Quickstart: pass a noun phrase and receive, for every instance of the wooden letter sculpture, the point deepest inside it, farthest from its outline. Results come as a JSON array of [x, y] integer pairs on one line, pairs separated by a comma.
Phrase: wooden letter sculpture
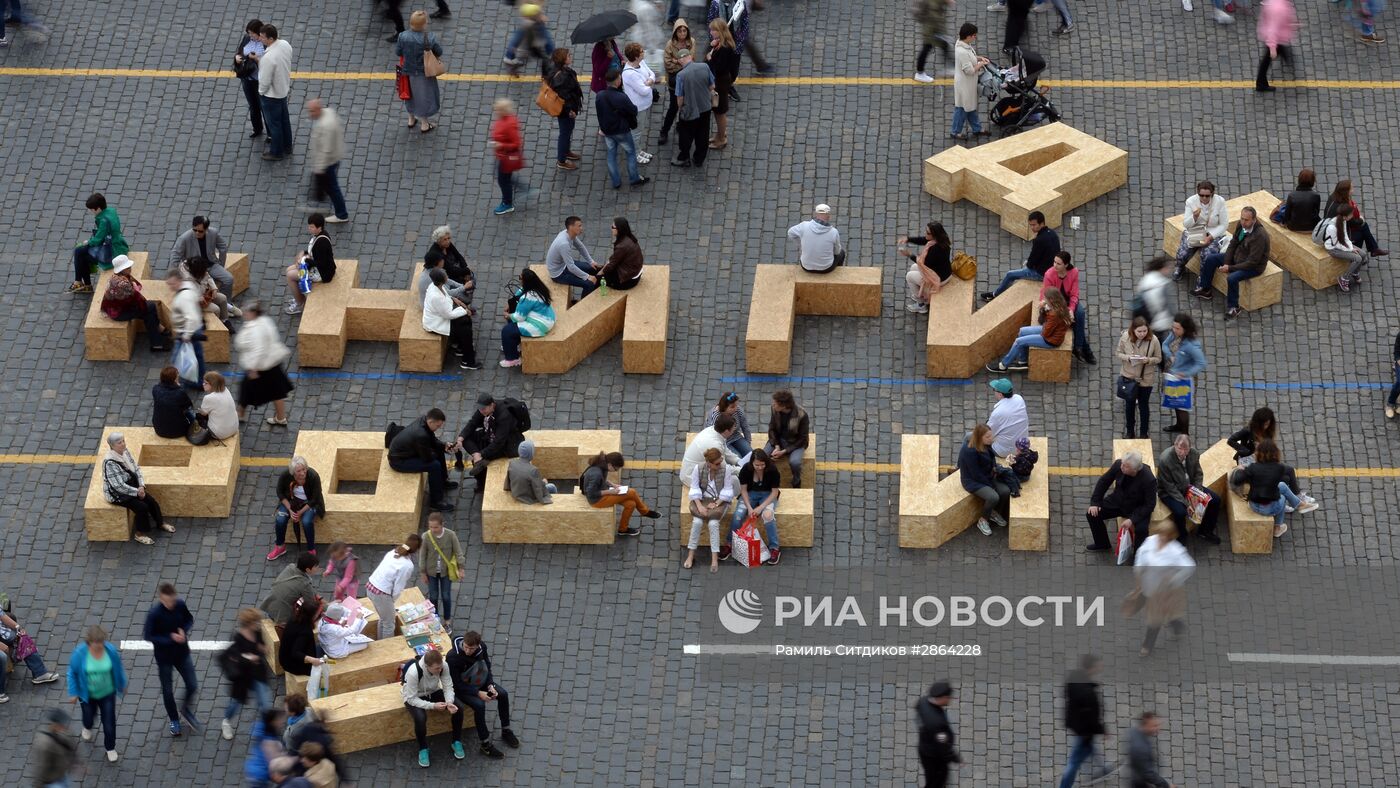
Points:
[[782, 292], [641, 315]]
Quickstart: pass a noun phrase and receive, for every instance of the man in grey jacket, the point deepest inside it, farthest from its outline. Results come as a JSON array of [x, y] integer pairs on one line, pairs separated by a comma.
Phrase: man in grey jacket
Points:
[[821, 243], [201, 240], [327, 149], [1142, 755], [524, 480], [54, 751], [1178, 470]]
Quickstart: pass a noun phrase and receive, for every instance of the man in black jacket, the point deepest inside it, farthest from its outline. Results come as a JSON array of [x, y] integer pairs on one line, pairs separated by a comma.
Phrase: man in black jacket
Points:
[[617, 116], [474, 685], [491, 434], [417, 449], [1084, 718], [1246, 258], [1044, 246], [936, 750], [1133, 498]]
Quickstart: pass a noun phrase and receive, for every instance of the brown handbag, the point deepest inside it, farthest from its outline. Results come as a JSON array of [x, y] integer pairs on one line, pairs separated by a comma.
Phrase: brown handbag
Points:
[[964, 266], [432, 66]]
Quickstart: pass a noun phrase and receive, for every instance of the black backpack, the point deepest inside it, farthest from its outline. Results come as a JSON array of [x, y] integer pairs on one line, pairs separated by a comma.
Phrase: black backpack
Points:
[[392, 432], [520, 411], [404, 668]]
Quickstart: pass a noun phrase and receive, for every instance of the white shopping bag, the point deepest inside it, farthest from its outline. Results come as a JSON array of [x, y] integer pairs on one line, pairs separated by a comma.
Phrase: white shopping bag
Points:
[[318, 685]]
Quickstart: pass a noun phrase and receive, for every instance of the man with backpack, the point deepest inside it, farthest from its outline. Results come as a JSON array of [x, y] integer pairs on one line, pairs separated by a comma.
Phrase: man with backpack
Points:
[[494, 432], [470, 667], [428, 687]]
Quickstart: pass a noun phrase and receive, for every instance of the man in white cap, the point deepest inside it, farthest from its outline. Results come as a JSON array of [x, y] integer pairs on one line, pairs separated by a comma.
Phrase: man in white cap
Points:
[[821, 243]]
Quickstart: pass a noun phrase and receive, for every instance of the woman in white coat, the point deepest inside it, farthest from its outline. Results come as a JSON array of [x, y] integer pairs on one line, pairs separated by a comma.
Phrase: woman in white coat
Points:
[[450, 317], [967, 64], [711, 493], [395, 573], [1162, 567], [262, 354], [1207, 224]]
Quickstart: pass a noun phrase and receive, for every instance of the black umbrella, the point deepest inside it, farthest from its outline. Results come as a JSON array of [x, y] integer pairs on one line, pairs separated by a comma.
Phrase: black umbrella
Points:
[[601, 27]]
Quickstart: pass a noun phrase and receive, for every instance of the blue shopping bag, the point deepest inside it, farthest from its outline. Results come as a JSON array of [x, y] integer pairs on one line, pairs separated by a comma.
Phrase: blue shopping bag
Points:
[[1177, 392]]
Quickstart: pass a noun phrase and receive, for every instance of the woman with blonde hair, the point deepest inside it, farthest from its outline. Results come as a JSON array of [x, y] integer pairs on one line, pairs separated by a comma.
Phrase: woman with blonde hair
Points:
[[95, 679], [978, 474], [218, 408], [711, 493], [424, 101], [507, 144], [1162, 566], [723, 59], [394, 573]]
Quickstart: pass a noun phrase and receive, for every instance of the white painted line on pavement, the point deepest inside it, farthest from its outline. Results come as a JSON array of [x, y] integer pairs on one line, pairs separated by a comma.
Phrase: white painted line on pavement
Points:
[[195, 645], [1316, 659], [696, 649]]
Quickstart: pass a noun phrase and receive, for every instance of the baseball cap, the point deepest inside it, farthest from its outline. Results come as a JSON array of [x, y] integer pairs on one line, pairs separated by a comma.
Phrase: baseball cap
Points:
[[1002, 385], [822, 208], [483, 400], [940, 689]]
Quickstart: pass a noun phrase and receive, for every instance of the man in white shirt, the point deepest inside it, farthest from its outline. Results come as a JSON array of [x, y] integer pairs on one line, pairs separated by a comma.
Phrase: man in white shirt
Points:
[[327, 149], [713, 437], [427, 686], [1008, 421], [274, 85]]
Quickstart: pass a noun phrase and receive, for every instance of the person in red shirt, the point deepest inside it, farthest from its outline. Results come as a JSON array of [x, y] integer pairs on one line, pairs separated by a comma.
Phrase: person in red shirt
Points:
[[506, 141]]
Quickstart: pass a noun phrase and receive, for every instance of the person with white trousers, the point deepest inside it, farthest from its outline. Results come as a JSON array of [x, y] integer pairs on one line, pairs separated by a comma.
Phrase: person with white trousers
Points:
[[395, 573], [711, 493]]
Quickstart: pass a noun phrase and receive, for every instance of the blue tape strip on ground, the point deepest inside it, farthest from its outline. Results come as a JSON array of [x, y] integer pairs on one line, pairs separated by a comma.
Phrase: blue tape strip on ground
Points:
[[871, 381], [1306, 386]]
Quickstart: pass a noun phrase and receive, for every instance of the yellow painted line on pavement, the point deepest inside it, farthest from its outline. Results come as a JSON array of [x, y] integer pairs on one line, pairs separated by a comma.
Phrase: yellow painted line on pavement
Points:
[[671, 465], [370, 76]]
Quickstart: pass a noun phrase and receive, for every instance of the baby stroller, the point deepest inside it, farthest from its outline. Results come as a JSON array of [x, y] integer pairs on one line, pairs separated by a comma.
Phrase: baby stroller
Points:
[[1024, 105]]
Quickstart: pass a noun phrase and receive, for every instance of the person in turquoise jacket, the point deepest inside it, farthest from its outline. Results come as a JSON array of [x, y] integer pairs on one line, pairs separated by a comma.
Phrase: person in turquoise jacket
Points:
[[106, 243], [95, 679], [1187, 361], [532, 316]]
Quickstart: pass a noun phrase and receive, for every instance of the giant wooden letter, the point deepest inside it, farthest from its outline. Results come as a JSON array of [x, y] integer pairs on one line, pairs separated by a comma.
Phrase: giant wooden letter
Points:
[[381, 517], [186, 480], [961, 341], [1052, 169], [782, 292], [931, 511], [641, 314], [340, 311], [561, 455]]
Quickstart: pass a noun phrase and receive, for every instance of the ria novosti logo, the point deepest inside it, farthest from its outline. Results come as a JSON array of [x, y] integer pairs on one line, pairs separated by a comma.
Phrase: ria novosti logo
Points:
[[740, 611]]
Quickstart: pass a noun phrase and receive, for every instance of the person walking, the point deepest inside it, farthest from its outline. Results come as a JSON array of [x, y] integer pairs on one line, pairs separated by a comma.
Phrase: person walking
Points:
[[637, 82], [105, 245], [531, 35], [424, 101], [1140, 354], [1186, 361], [12, 12], [167, 629], [930, 16], [96, 677], [327, 149], [1392, 400], [937, 744], [262, 355], [54, 752], [1142, 756], [680, 39], [507, 146], [1084, 719], [1363, 16], [1152, 298], [245, 66], [440, 565], [563, 79], [1162, 567], [967, 64], [617, 116], [723, 60], [1278, 24], [1017, 23], [394, 574], [696, 98], [274, 86], [244, 665]]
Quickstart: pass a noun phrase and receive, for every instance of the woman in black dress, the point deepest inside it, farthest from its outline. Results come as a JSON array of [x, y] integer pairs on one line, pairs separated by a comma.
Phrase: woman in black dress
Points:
[[262, 354]]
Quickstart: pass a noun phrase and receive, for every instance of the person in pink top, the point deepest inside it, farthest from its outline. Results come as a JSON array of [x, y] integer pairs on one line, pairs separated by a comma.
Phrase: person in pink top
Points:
[[348, 584], [1278, 24], [1063, 276]]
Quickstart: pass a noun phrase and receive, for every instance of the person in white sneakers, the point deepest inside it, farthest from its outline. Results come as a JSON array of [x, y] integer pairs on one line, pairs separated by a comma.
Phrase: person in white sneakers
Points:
[[10, 634], [95, 679], [319, 259], [637, 82], [931, 16]]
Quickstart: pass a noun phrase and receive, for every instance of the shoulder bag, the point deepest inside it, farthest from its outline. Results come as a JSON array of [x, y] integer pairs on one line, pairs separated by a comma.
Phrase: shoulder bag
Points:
[[453, 573], [964, 266], [1126, 389], [549, 100], [432, 66]]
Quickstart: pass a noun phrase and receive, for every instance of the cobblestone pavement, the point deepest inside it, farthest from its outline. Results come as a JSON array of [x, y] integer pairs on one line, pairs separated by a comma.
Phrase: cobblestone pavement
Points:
[[589, 639]]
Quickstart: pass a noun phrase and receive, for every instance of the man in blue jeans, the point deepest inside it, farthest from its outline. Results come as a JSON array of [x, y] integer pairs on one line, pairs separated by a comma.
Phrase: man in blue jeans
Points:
[[274, 85], [10, 632], [416, 449], [617, 116], [759, 488], [1245, 258], [1044, 246], [167, 628], [568, 261], [1084, 718]]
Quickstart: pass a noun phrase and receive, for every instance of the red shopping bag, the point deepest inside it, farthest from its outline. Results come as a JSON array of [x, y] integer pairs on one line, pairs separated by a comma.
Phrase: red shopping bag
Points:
[[1125, 544], [401, 83], [747, 549]]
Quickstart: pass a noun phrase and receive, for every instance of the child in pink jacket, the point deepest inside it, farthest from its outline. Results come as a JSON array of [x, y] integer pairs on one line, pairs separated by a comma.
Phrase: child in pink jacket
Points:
[[1278, 23], [348, 584]]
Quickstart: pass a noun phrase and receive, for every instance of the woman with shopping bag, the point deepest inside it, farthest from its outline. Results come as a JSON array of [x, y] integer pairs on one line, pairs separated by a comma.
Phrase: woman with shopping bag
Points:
[[759, 489], [1162, 567], [1187, 360]]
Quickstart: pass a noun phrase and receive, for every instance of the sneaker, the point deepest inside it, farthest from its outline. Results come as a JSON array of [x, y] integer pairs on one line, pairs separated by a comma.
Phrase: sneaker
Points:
[[917, 307], [1203, 293], [1280, 530], [3, 697], [489, 750], [962, 135], [1307, 497], [725, 552], [87, 735], [997, 520], [643, 157], [508, 363], [652, 514], [333, 219], [997, 7], [1373, 38], [503, 209], [1064, 29], [1390, 411], [679, 162], [1212, 538], [642, 181], [175, 728], [997, 366], [566, 165], [293, 308], [1343, 284], [988, 296], [1186, 5], [629, 532], [457, 751], [1017, 366], [4, 42], [225, 726], [274, 554], [1308, 506], [1087, 356], [469, 364], [1223, 18], [1177, 273], [441, 506], [983, 526], [112, 756], [423, 758], [1233, 312], [508, 737], [47, 678], [922, 77]]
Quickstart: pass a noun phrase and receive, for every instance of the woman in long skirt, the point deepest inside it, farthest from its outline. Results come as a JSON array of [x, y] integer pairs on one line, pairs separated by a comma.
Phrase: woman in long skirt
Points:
[[262, 354], [425, 101]]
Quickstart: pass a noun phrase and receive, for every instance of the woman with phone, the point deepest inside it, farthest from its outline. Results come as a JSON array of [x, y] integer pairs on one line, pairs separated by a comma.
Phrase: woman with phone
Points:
[[1141, 355]]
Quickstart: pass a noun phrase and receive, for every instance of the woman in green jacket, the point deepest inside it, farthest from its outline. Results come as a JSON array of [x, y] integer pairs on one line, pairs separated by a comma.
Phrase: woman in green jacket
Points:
[[106, 243]]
